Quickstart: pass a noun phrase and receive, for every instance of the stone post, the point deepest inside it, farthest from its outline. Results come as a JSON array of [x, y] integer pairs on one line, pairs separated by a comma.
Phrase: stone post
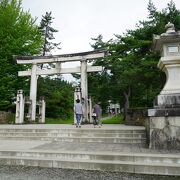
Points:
[[58, 65], [90, 110], [42, 107], [19, 107], [164, 120]]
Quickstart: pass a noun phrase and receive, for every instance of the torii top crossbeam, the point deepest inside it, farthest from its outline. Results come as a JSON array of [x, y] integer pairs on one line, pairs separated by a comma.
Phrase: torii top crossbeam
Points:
[[61, 58]]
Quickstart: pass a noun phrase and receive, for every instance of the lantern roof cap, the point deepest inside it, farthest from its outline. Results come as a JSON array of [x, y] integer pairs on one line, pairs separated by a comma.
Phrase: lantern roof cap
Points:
[[170, 36]]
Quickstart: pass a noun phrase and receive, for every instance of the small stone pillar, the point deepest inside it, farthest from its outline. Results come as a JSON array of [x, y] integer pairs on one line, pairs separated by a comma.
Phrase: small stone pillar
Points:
[[164, 120], [28, 102], [42, 107], [90, 109], [19, 107]]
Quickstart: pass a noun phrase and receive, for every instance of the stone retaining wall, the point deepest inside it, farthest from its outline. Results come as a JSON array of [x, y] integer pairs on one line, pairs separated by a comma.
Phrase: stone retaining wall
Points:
[[164, 132], [136, 116], [5, 117]]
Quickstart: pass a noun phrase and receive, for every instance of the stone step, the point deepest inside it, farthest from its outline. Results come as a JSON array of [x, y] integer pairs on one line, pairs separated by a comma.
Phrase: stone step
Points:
[[133, 165], [73, 130], [80, 139], [127, 135], [97, 155], [72, 134]]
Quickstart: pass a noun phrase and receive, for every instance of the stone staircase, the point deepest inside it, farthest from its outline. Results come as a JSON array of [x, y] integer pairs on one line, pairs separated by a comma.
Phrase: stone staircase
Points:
[[121, 149], [128, 136]]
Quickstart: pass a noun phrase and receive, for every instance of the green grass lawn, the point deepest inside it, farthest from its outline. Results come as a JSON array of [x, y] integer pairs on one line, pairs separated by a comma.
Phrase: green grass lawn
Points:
[[114, 120]]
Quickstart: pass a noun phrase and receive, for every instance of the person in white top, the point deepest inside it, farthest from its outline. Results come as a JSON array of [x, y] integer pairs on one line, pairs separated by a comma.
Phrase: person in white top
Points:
[[78, 112]]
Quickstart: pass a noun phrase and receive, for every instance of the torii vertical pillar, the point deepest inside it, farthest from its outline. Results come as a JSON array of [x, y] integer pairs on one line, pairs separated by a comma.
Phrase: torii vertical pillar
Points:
[[84, 89], [33, 91]]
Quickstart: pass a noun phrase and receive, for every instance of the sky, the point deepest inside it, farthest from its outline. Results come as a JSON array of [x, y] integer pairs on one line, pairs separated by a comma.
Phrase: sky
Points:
[[80, 20]]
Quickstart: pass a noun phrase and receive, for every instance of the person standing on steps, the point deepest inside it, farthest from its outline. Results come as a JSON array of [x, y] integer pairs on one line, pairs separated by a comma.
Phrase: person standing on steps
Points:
[[78, 112], [98, 111]]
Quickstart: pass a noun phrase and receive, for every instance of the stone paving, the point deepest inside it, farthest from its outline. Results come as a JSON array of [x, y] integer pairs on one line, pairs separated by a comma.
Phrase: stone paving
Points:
[[36, 173], [66, 146]]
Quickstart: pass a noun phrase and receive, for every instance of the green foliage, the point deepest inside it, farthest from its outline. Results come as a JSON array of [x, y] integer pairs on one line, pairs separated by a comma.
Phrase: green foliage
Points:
[[133, 77], [58, 95], [11, 118], [59, 121], [98, 88], [48, 33], [118, 119], [18, 36]]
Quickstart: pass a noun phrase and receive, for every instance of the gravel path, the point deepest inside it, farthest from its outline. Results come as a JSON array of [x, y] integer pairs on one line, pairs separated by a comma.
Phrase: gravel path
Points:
[[35, 173]]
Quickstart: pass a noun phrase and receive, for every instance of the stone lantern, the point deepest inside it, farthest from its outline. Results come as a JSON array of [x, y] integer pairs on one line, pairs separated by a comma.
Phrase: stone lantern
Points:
[[169, 45], [164, 120]]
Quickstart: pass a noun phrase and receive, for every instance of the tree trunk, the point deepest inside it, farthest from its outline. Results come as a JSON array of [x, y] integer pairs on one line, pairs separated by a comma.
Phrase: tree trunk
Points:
[[126, 104]]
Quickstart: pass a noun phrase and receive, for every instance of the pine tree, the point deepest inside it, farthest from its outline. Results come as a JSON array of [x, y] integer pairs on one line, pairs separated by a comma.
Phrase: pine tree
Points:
[[48, 34]]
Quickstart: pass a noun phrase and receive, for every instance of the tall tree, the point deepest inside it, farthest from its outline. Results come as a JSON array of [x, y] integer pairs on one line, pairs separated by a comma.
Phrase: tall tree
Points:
[[135, 79], [53, 89], [48, 34], [19, 35]]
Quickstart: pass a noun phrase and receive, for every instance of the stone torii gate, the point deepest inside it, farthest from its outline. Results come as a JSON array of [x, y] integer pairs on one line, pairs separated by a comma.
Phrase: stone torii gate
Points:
[[35, 71]]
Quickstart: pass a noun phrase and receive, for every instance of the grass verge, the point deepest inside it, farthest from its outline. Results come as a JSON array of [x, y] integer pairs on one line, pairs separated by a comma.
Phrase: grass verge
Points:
[[59, 121], [118, 119]]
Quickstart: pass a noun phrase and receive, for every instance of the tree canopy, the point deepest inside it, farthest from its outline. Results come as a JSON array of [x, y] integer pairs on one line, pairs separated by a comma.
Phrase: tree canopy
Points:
[[58, 95], [19, 35], [134, 79], [48, 34]]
